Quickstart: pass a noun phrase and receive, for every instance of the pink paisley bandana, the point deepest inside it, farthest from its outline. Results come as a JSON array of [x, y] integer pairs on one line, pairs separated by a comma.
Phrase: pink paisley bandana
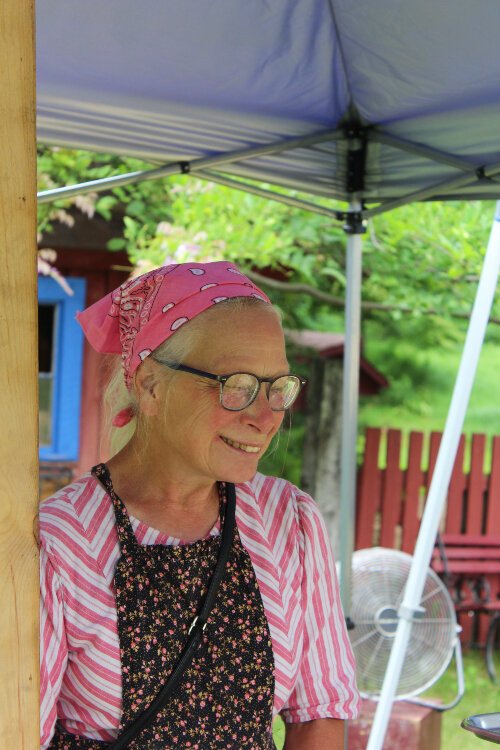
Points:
[[145, 311]]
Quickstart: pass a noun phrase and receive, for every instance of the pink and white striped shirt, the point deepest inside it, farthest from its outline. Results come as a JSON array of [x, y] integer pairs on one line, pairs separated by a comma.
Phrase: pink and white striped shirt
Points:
[[284, 534]]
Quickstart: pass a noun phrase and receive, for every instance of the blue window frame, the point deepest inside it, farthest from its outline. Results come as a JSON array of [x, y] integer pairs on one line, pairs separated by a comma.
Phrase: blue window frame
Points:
[[60, 368]]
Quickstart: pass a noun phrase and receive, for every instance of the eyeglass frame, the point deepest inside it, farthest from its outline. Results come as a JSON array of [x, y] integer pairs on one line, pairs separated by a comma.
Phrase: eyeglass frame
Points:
[[222, 379]]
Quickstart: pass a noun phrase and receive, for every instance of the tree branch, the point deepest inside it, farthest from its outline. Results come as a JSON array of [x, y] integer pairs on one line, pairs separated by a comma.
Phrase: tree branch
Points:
[[293, 288]]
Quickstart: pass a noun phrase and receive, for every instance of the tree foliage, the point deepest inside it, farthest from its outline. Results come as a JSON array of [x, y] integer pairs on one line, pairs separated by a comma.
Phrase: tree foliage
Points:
[[58, 167], [423, 255], [421, 261]]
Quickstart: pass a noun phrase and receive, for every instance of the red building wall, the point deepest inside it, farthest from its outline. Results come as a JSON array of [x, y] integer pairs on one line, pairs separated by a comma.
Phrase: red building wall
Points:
[[103, 271]]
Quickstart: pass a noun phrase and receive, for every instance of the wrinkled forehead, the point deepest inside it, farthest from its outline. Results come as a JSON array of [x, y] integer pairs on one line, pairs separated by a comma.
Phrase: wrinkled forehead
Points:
[[239, 338]]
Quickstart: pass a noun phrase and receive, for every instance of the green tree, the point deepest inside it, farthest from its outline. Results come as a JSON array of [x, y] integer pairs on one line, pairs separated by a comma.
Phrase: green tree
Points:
[[421, 261], [58, 167], [421, 258]]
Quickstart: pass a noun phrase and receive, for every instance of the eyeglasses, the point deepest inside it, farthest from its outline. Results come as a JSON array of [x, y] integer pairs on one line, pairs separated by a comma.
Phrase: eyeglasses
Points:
[[240, 389]]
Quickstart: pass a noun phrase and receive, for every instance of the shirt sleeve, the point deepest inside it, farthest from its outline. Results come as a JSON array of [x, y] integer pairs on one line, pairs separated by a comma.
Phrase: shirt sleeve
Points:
[[326, 682], [53, 646]]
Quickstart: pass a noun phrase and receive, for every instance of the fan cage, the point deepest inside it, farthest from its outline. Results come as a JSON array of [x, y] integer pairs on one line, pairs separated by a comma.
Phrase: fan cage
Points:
[[378, 583]]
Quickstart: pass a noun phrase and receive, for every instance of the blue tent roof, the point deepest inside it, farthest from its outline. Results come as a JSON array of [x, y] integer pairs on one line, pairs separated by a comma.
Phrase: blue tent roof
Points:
[[405, 95]]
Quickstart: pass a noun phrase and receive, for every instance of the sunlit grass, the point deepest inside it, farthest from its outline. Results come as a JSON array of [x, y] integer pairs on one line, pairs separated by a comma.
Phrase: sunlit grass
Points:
[[427, 409], [279, 733], [481, 697]]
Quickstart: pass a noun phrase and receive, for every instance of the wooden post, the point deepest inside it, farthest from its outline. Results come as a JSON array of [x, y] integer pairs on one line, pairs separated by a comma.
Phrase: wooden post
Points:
[[321, 452], [18, 381]]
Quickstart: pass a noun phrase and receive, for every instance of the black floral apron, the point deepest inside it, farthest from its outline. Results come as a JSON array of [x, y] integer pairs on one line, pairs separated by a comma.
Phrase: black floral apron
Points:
[[225, 697]]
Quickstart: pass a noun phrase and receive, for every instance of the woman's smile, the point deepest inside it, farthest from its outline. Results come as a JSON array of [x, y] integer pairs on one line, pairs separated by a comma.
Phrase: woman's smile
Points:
[[241, 446]]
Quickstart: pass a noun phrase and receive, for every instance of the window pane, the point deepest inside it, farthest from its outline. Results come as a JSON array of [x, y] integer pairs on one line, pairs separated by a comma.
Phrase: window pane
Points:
[[45, 388], [46, 342], [46, 317]]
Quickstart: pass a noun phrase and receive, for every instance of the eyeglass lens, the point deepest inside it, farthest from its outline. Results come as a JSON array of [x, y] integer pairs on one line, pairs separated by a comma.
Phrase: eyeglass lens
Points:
[[240, 389]]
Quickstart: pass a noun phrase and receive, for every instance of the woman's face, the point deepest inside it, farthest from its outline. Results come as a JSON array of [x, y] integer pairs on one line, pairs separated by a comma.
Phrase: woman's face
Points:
[[199, 437]]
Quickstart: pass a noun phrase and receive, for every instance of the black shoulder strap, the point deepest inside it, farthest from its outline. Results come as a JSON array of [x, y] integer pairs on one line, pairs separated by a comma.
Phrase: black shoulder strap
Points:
[[195, 631]]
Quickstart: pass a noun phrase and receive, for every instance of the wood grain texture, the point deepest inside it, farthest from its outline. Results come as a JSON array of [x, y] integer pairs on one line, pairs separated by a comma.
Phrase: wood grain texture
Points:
[[413, 484], [455, 503], [18, 378], [474, 519], [392, 493], [369, 489]]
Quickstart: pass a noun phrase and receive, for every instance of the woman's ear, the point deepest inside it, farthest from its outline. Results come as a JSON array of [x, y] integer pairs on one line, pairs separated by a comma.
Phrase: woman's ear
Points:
[[146, 384]]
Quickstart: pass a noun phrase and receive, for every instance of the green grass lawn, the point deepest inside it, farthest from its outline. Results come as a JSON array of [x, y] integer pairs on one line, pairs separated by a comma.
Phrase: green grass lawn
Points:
[[428, 407], [481, 696]]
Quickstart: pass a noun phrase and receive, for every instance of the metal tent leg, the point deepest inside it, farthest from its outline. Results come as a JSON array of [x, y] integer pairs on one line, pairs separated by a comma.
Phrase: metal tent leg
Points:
[[350, 398]]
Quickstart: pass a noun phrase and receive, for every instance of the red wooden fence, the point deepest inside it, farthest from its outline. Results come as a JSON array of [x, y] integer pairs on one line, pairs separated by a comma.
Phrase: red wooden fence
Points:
[[392, 489]]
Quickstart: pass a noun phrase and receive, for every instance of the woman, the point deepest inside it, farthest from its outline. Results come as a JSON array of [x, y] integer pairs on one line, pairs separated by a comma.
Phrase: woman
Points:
[[129, 551]]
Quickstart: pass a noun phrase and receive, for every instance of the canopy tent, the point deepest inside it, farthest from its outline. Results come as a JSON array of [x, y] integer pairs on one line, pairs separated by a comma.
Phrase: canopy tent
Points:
[[373, 102], [412, 87]]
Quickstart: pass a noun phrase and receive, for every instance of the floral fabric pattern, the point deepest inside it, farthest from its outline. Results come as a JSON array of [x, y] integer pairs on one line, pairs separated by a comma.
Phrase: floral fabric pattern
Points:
[[225, 698]]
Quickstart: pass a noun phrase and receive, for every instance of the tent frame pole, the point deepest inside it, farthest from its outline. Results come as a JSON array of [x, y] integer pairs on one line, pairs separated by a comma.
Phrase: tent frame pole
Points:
[[435, 191], [354, 228], [350, 399], [432, 191], [469, 172], [288, 200], [441, 478], [188, 167], [419, 149]]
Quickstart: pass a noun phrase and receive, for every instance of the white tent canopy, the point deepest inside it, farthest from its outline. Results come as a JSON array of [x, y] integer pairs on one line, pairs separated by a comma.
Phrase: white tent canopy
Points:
[[372, 102], [412, 87]]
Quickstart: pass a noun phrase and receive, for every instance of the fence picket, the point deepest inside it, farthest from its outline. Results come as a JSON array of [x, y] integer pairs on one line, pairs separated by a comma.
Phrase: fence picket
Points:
[[392, 493], [413, 482], [493, 495], [369, 490], [455, 503], [474, 513], [434, 443]]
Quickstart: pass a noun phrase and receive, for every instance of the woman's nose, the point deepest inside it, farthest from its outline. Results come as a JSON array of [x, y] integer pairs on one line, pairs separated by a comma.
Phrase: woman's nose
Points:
[[259, 412]]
